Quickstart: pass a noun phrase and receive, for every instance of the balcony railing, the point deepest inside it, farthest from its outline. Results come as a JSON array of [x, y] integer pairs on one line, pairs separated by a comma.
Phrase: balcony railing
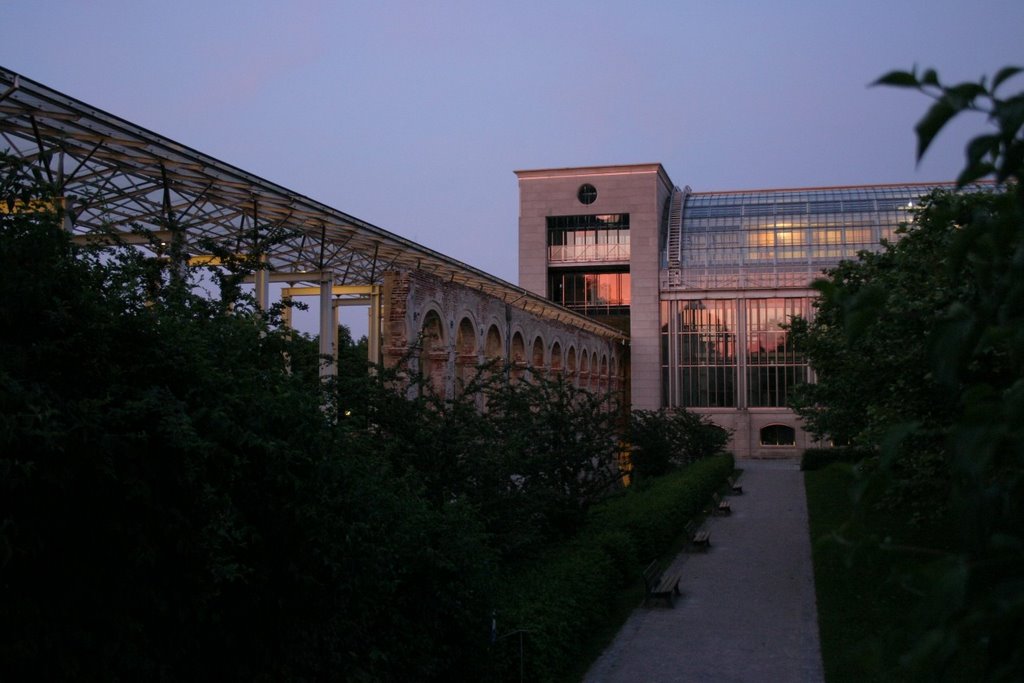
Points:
[[588, 253]]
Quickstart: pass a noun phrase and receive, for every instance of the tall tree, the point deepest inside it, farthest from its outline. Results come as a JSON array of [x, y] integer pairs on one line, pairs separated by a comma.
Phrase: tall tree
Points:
[[920, 352]]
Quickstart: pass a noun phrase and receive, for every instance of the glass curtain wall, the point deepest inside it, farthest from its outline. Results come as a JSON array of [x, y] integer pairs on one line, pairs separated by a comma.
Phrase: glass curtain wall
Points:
[[730, 353], [738, 252], [774, 367], [588, 259], [588, 238], [590, 293], [784, 238], [699, 353]]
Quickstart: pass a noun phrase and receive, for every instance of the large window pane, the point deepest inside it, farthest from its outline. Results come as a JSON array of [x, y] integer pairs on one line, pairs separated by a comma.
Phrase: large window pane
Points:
[[699, 353], [774, 367], [590, 292], [595, 238]]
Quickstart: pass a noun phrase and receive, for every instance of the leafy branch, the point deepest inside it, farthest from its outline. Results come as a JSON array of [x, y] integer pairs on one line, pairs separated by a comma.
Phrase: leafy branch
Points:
[[1001, 153]]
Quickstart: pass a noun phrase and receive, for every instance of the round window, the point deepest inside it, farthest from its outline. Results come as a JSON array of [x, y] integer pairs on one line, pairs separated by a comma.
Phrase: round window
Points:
[[587, 194]]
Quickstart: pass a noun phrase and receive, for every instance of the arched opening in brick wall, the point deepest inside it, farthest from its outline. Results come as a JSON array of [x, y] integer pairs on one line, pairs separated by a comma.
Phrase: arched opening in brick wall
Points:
[[537, 361], [584, 378], [493, 348], [570, 363], [466, 356], [433, 352], [556, 358], [518, 357], [494, 354]]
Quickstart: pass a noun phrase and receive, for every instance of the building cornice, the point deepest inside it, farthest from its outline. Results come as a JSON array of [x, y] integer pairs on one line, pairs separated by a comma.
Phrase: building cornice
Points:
[[590, 171]]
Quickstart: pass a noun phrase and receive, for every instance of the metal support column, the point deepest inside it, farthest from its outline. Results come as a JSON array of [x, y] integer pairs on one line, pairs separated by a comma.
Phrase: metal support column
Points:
[[742, 344], [65, 204], [373, 332], [328, 329], [262, 284]]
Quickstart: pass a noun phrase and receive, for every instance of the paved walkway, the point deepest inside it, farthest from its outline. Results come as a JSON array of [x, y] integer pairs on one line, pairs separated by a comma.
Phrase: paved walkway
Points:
[[748, 610]]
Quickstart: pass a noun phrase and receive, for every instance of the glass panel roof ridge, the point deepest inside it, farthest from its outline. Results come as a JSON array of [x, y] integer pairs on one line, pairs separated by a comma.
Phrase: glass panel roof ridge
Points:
[[784, 238], [37, 121], [842, 190], [812, 201]]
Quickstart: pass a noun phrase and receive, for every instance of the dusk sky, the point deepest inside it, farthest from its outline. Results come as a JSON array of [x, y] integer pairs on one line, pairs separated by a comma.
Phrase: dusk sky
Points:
[[414, 115]]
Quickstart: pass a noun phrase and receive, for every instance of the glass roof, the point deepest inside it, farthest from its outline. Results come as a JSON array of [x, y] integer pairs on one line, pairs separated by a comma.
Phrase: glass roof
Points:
[[780, 238], [114, 173]]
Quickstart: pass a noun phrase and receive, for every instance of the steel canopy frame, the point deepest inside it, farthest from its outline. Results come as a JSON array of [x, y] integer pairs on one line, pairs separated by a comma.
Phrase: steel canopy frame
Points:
[[115, 174]]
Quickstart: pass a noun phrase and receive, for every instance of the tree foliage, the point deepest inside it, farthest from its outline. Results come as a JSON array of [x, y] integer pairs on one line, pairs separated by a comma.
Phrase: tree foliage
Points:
[[174, 502], [919, 352], [182, 498], [664, 440], [530, 456]]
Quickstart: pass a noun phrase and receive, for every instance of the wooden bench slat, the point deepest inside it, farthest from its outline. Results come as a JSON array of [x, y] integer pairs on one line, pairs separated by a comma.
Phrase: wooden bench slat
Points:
[[700, 538], [659, 585], [722, 507]]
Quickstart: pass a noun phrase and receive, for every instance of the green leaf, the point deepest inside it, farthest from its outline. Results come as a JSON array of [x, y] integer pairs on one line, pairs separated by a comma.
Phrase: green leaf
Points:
[[980, 147], [928, 127], [1005, 73], [899, 79], [1010, 116], [974, 172], [966, 92], [1013, 162], [930, 78]]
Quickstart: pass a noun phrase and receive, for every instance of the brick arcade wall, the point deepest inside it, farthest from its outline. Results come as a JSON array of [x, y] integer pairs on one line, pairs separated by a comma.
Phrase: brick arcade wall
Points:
[[442, 328]]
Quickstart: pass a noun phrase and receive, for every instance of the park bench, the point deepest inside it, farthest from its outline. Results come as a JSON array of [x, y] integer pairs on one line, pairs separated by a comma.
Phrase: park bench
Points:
[[736, 488], [657, 584], [719, 506], [698, 538]]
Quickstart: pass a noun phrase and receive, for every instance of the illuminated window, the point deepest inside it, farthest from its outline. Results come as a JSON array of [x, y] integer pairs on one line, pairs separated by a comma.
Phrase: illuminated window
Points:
[[774, 366], [789, 237], [761, 238], [605, 293], [603, 237], [699, 353], [859, 236], [794, 233]]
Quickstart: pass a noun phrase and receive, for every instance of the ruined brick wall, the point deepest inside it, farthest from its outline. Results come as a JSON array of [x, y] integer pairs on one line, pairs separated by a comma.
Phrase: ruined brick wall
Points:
[[445, 329]]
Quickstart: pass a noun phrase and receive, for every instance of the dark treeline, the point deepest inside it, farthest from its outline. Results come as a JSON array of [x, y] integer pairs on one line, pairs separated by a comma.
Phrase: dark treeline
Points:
[[182, 498]]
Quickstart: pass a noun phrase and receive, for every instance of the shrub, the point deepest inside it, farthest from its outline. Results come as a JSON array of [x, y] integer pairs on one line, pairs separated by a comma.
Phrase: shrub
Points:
[[817, 458], [663, 440], [566, 592]]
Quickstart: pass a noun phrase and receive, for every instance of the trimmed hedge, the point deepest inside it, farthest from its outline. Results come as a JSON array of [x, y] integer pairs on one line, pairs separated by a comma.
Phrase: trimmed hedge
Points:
[[567, 592], [817, 458]]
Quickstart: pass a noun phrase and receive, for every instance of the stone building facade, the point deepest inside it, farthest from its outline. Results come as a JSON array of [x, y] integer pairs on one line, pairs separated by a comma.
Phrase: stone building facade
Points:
[[704, 282]]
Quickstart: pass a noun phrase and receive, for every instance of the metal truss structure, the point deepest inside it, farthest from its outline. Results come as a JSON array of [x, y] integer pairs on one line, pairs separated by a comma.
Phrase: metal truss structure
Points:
[[115, 174]]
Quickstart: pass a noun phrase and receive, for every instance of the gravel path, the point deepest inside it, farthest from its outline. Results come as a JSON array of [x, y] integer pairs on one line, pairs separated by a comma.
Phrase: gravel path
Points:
[[748, 610]]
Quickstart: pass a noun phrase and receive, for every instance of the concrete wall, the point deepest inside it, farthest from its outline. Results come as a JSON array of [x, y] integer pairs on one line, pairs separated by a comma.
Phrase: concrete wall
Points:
[[746, 424]]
